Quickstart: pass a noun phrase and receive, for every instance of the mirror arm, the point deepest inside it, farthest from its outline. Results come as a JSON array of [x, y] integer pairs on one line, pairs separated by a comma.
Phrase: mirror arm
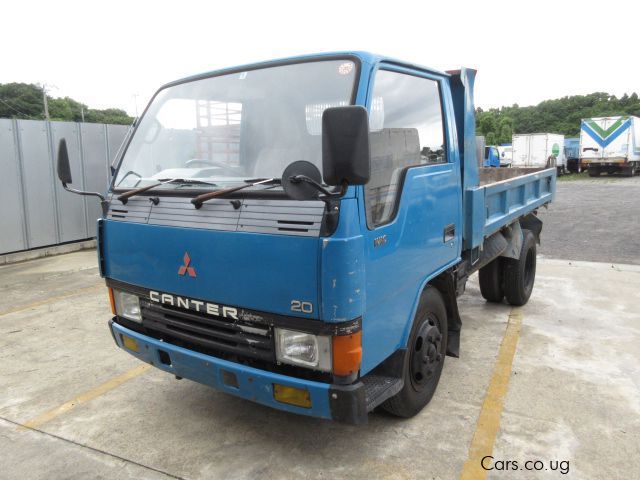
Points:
[[104, 203], [311, 181], [81, 192]]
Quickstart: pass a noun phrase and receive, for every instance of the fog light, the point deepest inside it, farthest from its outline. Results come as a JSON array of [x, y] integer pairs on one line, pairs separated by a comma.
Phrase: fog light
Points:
[[130, 343], [292, 395]]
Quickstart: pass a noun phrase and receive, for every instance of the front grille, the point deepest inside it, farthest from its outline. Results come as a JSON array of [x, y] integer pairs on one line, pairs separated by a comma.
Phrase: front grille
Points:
[[212, 333]]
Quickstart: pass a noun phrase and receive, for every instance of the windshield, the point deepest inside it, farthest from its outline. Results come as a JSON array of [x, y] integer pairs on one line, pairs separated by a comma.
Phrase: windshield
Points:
[[230, 128]]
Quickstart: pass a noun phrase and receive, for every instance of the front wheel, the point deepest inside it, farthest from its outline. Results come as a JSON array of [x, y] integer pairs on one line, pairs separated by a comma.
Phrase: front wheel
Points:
[[520, 274], [424, 358]]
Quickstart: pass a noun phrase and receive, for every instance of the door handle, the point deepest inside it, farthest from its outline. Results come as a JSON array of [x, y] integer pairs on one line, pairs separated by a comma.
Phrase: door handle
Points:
[[449, 233]]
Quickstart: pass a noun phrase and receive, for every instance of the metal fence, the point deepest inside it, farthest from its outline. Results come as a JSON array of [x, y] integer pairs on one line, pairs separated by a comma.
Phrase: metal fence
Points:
[[35, 211]]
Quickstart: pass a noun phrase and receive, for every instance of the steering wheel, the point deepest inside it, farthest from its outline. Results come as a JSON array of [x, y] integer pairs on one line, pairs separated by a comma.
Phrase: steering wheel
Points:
[[213, 163]]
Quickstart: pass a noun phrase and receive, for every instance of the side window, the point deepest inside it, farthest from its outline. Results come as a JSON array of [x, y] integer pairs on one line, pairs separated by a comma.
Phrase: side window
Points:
[[406, 130]]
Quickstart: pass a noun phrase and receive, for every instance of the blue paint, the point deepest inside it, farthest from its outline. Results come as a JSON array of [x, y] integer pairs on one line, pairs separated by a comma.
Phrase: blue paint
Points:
[[252, 270], [253, 384], [572, 148], [345, 276], [491, 157]]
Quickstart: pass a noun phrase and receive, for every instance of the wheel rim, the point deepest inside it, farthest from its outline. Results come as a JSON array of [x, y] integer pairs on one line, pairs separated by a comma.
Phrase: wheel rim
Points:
[[426, 353]]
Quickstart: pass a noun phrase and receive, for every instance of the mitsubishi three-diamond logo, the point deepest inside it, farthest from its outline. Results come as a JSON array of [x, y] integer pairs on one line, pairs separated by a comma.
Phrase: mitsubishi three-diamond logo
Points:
[[186, 268]]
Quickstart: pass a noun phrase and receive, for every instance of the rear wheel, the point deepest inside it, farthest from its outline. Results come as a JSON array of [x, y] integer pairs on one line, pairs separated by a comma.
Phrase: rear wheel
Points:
[[594, 173], [424, 358], [491, 281], [520, 274], [629, 171]]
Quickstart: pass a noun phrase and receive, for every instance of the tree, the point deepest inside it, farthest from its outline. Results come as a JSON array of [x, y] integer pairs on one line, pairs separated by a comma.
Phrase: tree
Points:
[[505, 130], [24, 101], [486, 123], [561, 115], [21, 100]]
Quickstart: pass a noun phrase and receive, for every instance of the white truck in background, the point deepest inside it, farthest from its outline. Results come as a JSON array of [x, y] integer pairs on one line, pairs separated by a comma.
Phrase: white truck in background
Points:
[[539, 150], [611, 145], [506, 155]]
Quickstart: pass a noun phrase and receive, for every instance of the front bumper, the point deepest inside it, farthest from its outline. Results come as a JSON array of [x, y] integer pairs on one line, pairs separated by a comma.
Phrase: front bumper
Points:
[[345, 403]]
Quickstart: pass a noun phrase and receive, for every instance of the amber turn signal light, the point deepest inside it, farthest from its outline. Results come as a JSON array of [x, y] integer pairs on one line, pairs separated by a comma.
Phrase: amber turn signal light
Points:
[[347, 354], [112, 301]]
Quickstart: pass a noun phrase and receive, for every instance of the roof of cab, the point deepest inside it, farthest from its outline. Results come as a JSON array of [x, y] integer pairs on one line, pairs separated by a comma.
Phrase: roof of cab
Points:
[[364, 57]]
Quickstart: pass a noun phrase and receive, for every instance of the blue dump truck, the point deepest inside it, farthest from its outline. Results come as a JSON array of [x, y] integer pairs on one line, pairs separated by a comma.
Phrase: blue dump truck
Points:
[[491, 156], [297, 232]]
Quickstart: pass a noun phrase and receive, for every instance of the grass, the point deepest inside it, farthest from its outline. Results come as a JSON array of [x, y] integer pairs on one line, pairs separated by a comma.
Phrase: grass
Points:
[[584, 176], [571, 177]]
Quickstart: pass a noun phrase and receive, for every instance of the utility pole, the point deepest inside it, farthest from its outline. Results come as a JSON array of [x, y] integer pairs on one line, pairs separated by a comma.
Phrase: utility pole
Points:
[[82, 113], [44, 99], [135, 101]]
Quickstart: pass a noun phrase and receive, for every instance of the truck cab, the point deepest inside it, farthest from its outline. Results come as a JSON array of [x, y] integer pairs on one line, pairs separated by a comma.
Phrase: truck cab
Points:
[[491, 156], [296, 232]]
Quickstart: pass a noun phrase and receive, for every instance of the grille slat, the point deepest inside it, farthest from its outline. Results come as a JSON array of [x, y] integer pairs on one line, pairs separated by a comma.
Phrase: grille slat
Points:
[[208, 331], [237, 337], [279, 217]]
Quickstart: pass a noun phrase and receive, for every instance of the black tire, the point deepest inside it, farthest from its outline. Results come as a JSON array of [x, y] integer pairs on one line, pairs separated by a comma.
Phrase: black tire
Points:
[[629, 171], [492, 281], [520, 274], [424, 360], [594, 173]]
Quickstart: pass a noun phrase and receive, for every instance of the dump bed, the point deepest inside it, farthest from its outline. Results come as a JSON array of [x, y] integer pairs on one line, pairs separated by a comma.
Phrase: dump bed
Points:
[[502, 196], [492, 197]]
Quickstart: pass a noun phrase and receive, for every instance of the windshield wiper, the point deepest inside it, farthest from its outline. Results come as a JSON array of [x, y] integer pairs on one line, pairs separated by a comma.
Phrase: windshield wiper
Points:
[[200, 199], [130, 193]]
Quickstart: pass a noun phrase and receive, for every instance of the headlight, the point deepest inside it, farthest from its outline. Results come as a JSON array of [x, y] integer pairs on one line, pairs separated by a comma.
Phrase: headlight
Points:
[[127, 305], [304, 349]]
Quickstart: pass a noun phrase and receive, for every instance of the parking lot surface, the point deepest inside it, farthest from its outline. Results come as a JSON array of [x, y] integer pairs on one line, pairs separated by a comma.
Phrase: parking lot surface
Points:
[[593, 219], [554, 381]]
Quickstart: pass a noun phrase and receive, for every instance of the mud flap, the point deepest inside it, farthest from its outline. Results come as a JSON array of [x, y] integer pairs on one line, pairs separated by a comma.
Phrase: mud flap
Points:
[[446, 284], [532, 223]]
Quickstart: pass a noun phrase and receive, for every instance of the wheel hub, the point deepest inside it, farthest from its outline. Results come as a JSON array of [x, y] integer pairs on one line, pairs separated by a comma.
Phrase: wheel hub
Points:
[[426, 354]]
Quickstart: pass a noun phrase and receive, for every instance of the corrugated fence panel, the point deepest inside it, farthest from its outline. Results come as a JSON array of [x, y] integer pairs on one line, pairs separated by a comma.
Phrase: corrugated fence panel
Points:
[[12, 235], [94, 148], [35, 211], [71, 207], [37, 177]]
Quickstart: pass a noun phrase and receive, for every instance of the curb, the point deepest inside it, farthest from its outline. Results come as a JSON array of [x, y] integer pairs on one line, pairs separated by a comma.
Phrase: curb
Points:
[[23, 256]]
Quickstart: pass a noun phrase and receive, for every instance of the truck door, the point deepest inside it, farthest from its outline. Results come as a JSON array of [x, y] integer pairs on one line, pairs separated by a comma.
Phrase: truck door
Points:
[[411, 214]]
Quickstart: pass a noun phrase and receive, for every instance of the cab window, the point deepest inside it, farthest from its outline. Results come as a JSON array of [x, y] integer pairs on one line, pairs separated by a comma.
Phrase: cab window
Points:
[[407, 130]]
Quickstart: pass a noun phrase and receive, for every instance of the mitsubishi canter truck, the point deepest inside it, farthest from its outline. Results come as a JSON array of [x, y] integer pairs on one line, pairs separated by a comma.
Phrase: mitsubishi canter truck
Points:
[[296, 232]]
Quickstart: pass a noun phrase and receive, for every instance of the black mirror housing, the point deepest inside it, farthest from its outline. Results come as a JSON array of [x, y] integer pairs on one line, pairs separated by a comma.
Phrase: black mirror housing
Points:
[[64, 169], [345, 145]]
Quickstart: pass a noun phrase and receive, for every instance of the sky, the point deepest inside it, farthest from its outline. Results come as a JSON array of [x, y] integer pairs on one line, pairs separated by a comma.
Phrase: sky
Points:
[[118, 53]]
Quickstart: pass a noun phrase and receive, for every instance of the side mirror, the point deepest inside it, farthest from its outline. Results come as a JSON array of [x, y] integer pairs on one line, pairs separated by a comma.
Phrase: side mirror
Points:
[[345, 146], [64, 170], [64, 174]]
